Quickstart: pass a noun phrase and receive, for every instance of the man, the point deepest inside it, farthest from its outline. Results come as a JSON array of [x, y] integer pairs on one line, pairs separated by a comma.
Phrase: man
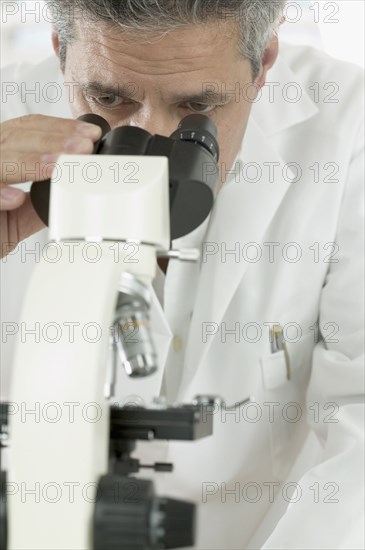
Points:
[[281, 252]]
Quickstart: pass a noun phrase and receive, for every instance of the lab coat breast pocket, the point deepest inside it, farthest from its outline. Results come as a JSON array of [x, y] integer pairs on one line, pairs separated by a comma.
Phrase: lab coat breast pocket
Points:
[[283, 400]]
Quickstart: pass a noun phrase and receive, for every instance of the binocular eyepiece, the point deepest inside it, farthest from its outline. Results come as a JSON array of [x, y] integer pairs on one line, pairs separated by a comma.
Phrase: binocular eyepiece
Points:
[[193, 154], [131, 140]]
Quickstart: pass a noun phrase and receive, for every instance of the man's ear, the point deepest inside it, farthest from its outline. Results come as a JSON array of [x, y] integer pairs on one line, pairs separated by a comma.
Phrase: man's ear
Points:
[[56, 43], [268, 60], [56, 48]]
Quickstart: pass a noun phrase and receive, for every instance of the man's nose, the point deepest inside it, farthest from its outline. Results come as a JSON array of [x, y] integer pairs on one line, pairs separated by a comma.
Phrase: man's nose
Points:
[[160, 124]]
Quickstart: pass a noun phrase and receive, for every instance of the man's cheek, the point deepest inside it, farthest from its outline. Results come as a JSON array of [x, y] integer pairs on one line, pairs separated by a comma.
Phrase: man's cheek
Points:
[[229, 143]]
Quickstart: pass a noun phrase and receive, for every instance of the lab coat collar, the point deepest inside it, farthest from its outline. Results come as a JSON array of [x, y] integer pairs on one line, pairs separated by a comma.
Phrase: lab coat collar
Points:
[[284, 101], [241, 214]]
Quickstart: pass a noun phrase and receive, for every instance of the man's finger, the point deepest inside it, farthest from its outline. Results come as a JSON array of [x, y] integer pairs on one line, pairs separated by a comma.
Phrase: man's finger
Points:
[[11, 198], [42, 142], [20, 167], [52, 124]]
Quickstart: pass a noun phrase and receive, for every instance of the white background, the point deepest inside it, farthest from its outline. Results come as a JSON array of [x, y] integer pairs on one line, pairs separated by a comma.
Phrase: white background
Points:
[[337, 27]]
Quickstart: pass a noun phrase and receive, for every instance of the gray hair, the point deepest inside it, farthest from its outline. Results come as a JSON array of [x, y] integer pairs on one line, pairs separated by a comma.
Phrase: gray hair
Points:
[[258, 20]]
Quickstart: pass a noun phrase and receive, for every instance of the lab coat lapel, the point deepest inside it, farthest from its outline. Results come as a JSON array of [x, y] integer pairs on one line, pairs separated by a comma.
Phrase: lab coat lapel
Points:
[[242, 213]]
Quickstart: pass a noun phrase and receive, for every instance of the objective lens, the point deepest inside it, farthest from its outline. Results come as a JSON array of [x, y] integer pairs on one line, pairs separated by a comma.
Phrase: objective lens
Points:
[[132, 334]]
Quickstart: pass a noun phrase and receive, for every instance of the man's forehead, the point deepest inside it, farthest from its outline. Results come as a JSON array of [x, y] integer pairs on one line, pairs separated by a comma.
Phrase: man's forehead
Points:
[[209, 40], [113, 67], [184, 65]]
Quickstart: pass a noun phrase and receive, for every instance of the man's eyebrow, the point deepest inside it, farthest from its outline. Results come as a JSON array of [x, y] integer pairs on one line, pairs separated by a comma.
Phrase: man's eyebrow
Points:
[[126, 91], [130, 91], [205, 96]]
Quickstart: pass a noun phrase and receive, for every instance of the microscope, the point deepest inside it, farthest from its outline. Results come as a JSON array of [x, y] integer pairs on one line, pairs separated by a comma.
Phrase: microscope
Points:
[[69, 483]]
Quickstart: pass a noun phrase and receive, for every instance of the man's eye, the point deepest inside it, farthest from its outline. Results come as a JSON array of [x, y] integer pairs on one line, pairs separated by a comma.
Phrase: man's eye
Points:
[[108, 100], [201, 108]]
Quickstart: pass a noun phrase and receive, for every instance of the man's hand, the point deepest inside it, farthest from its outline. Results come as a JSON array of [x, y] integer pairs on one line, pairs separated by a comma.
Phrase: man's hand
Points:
[[29, 147]]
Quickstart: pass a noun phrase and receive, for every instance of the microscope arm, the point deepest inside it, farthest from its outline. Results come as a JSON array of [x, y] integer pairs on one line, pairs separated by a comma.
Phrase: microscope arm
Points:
[[63, 379], [59, 452]]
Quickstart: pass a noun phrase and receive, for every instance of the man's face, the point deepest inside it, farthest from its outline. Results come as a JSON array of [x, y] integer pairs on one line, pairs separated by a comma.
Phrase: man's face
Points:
[[155, 85]]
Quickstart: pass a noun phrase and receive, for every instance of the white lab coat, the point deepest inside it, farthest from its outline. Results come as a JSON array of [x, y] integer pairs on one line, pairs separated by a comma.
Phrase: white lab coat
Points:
[[286, 471]]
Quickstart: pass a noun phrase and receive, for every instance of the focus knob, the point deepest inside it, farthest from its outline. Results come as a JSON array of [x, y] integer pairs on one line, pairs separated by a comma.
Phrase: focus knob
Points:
[[128, 516]]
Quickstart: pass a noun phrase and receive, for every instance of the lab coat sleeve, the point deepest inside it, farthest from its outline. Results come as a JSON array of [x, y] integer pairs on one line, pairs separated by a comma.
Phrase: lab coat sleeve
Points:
[[330, 510]]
